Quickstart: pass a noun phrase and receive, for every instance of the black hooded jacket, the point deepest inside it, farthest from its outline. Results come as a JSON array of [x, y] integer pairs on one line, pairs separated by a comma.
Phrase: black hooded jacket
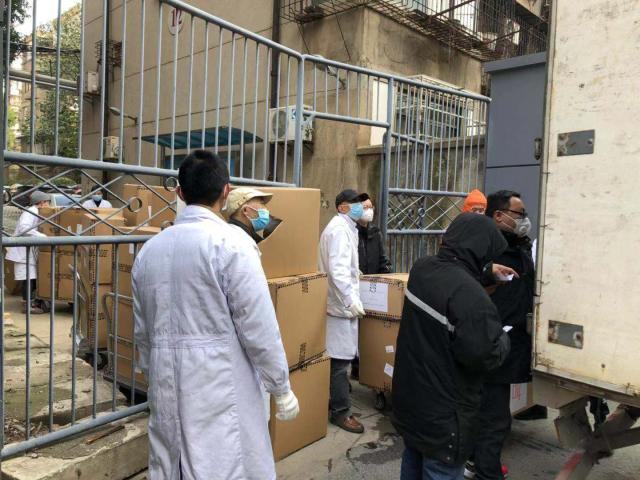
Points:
[[371, 254], [514, 301], [439, 368]]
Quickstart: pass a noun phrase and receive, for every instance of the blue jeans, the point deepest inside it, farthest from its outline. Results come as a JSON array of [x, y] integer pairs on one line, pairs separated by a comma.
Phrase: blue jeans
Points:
[[416, 466]]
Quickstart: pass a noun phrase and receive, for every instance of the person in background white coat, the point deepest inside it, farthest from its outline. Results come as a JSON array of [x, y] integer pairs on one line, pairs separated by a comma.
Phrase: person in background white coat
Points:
[[207, 336], [97, 200], [339, 260], [24, 269]]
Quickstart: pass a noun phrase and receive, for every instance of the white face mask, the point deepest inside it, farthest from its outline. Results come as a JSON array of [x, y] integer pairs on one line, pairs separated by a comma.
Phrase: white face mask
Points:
[[523, 227], [367, 216]]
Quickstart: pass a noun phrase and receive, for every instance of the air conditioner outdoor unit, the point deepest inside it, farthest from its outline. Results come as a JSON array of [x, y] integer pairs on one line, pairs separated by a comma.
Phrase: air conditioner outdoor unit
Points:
[[92, 83], [111, 148], [282, 125]]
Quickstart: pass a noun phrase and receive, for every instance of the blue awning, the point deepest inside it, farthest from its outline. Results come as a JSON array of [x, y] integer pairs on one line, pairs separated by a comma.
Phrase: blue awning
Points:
[[181, 138]]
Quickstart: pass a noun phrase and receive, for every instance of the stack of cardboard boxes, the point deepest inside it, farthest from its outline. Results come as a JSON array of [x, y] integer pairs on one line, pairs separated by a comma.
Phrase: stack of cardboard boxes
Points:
[[289, 258], [383, 298], [94, 269]]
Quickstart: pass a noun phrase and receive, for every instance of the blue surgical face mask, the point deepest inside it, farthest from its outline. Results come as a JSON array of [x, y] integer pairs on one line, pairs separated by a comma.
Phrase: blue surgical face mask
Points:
[[96, 198], [356, 211], [262, 221]]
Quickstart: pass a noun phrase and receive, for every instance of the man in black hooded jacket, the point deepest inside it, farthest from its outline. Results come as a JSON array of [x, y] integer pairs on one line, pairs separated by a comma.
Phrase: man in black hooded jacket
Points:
[[450, 337]]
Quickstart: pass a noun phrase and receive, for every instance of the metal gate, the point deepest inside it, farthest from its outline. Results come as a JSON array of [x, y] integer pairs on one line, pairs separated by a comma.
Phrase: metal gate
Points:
[[139, 105]]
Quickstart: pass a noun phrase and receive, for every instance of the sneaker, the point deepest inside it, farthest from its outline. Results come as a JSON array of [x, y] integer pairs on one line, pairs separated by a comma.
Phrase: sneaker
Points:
[[469, 471], [350, 424], [505, 472]]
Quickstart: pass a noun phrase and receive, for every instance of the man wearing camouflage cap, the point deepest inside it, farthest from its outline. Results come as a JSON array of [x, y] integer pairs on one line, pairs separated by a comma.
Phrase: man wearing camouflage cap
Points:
[[246, 210]]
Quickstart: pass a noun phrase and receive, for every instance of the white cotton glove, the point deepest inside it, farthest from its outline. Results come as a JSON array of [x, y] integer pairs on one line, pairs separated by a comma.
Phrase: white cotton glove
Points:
[[356, 309], [287, 407]]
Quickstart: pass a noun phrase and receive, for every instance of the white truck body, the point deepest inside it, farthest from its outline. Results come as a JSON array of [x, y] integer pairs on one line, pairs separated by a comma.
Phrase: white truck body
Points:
[[589, 242]]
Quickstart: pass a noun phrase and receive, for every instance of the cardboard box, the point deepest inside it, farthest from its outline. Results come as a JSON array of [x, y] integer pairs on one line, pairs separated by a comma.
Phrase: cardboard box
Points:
[[12, 286], [301, 309], [377, 349], [64, 291], [125, 318], [311, 386], [88, 261], [88, 306], [125, 364], [123, 371], [383, 295], [89, 257], [292, 248], [63, 281], [126, 256], [521, 397], [51, 213], [43, 281], [148, 203]]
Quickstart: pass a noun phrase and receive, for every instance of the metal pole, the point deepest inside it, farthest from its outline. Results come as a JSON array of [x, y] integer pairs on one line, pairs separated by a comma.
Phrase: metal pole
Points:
[[386, 164], [81, 81], [34, 42], [4, 69], [297, 149], [141, 107], [103, 79], [57, 99], [123, 68]]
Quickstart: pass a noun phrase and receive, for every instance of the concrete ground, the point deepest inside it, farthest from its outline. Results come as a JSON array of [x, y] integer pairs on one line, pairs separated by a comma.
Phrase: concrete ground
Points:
[[532, 452], [40, 324]]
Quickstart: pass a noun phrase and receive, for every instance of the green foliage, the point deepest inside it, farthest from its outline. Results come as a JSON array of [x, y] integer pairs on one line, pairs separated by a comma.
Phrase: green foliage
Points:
[[64, 182], [12, 120], [19, 9], [67, 103]]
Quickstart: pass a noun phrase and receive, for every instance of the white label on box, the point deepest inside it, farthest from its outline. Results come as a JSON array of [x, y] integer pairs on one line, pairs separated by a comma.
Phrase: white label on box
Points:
[[374, 296], [131, 249], [137, 369], [149, 210], [388, 369], [389, 348], [78, 228]]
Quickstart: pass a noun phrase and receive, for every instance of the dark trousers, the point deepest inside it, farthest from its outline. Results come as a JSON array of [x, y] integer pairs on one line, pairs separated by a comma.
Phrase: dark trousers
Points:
[[340, 400], [493, 426], [416, 466], [25, 289]]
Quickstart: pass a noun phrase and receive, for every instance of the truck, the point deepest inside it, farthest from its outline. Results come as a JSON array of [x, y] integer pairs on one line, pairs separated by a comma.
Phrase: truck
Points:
[[586, 324]]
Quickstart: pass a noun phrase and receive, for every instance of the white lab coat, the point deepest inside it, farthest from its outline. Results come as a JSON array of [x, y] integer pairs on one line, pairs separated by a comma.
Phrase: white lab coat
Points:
[[27, 227], [339, 260], [91, 204], [207, 335]]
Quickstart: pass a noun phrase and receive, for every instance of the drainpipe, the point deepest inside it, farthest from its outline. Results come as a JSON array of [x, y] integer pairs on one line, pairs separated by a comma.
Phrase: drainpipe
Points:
[[275, 67]]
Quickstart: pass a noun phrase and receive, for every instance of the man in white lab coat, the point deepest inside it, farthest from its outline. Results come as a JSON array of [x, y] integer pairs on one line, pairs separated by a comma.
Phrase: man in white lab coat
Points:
[[24, 268], [339, 259], [97, 200], [207, 336]]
